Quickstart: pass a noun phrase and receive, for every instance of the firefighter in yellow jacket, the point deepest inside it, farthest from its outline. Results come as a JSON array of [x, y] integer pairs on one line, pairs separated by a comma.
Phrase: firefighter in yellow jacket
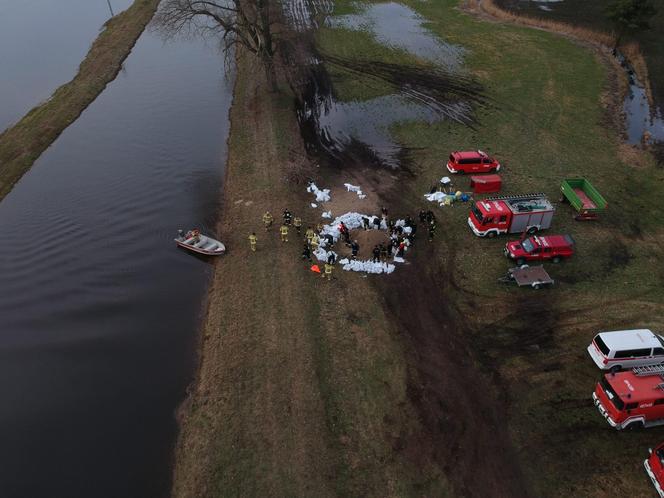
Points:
[[297, 223], [284, 233], [267, 220], [309, 234], [252, 242], [328, 271]]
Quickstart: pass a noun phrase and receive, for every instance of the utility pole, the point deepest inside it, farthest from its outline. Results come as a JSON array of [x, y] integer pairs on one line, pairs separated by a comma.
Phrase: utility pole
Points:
[[110, 7]]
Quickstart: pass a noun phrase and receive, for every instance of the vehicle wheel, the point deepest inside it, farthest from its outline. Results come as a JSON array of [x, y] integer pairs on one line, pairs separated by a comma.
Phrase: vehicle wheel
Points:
[[635, 426], [491, 235], [615, 368], [532, 230], [556, 259], [537, 286], [520, 261]]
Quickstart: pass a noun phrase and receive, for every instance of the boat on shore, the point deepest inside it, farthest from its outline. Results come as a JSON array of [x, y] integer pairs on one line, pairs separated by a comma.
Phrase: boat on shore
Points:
[[195, 241]]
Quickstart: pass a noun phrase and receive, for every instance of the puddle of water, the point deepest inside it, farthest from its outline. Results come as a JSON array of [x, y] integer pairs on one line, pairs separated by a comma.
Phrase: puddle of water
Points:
[[99, 308], [369, 122], [357, 133], [640, 119], [42, 42], [395, 25]]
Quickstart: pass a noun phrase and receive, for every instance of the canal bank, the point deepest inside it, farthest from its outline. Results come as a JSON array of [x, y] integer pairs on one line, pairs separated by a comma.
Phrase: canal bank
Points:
[[24, 142], [100, 309]]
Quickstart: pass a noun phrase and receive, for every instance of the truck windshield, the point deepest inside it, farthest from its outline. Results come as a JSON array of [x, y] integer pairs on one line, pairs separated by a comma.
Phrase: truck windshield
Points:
[[611, 394], [527, 245], [477, 213]]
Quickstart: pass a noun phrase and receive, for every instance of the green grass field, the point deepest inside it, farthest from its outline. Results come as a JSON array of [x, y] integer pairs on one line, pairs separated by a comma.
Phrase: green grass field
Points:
[[547, 123], [591, 14]]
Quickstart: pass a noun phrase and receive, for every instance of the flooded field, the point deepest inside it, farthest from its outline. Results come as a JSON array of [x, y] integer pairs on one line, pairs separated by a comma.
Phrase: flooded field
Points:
[[99, 308], [359, 131], [42, 42], [396, 26]]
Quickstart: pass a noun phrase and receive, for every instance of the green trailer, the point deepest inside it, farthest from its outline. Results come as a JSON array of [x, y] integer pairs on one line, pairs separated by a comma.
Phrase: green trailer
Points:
[[583, 197]]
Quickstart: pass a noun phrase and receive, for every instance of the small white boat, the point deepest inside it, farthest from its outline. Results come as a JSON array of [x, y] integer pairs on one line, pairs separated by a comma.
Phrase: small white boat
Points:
[[195, 241]]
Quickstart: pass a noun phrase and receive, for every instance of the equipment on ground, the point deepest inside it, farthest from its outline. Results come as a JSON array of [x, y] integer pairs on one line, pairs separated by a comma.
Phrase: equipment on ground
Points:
[[485, 184], [528, 276]]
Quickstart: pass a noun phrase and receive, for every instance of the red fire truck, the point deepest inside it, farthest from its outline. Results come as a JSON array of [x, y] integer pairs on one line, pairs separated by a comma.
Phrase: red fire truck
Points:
[[510, 214], [655, 468], [634, 398]]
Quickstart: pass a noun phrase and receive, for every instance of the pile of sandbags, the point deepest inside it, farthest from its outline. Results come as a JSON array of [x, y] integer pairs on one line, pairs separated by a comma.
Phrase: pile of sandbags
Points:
[[321, 195]]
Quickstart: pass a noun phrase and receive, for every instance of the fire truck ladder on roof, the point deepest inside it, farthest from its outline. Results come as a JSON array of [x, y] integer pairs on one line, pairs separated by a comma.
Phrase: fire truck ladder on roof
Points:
[[516, 197], [649, 370]]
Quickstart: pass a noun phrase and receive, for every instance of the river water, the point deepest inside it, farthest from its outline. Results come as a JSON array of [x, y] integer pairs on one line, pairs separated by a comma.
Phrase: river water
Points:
[[42, 42], [99, 308]]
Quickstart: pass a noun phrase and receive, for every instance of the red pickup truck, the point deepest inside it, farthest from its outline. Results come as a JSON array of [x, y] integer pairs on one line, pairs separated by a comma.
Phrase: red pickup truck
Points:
[[654, 465], [540, 248]]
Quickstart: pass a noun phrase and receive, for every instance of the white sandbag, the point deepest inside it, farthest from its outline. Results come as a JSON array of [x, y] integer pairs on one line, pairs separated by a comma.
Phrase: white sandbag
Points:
[[352, 188], [368, 266], [322, 255], [322, 195], [314, 205], [327, 214]]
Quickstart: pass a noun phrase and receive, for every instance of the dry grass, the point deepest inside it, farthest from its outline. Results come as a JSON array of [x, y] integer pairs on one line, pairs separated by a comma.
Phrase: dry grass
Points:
[[23, 143]]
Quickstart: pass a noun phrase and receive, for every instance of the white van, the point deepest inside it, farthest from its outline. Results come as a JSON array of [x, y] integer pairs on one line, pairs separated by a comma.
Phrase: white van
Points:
[[626, 349]]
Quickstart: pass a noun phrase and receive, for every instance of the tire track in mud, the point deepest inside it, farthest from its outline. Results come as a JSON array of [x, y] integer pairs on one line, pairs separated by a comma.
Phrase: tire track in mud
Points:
[[463, 426]]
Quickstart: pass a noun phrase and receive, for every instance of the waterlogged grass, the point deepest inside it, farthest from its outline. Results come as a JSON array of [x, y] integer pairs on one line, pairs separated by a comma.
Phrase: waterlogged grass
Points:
[[358, 44], [547, 123], [23, 143]]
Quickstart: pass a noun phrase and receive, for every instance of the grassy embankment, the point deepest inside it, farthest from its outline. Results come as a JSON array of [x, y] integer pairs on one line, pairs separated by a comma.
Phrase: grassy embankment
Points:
[[549, 123], [23, 143], [302, 382], [590, 15]]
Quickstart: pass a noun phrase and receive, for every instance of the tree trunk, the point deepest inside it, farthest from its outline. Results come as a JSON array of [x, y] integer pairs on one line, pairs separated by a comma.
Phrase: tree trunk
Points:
[[270, 73]]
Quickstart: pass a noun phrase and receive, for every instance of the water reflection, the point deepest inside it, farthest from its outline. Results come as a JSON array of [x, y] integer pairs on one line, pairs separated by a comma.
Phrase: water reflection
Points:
[[42, 42], [99, 308]]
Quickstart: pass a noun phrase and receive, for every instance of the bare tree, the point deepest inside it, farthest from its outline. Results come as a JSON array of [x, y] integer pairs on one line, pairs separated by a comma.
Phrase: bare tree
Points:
[[239, 22]]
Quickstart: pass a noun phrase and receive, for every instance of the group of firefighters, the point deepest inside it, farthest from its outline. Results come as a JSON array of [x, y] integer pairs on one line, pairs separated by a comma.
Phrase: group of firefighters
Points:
[[400, 237]]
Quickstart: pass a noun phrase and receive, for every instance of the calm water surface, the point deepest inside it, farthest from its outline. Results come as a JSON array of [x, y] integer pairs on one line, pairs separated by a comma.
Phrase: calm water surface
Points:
[[99, 308], [42, 42]]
